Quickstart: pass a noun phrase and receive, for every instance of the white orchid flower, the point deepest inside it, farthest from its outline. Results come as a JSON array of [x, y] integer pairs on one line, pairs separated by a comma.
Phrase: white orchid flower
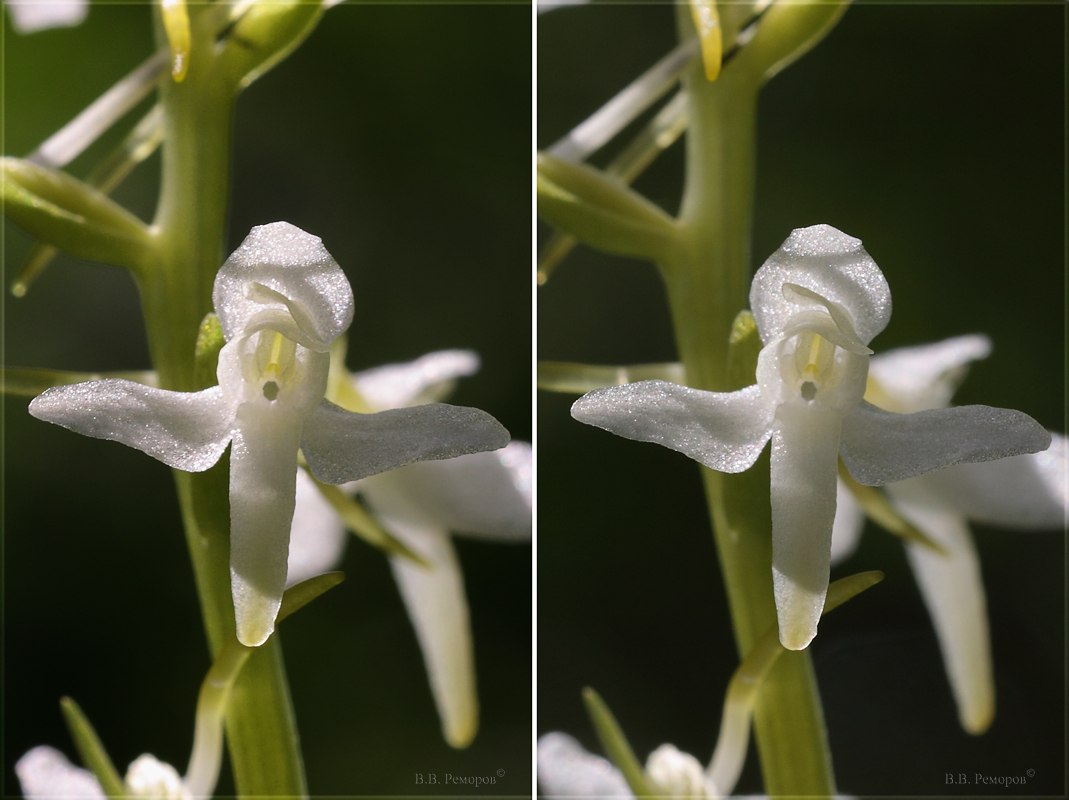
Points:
[[817, 301], [281, 300], [30, 16], [1026, 492], [486, 495], [566, 769], [46, 774]]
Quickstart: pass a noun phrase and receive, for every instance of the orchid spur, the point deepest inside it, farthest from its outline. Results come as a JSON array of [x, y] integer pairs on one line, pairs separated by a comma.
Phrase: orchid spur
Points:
[[1025, 492], [484, 495], [281, 300], [817, 301]]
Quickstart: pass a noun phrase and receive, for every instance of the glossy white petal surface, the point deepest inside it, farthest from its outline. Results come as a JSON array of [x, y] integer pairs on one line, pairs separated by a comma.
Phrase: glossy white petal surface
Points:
[[487, 495], [342, 446], [29, 16], [919, 378], [953, 590], [438, 609], [317, 535], [184, 430], [280, 268], [428, 379], [805, 461], [263, 475], [1029, 492], [45, 773], [566, 769], [880, 447], [831, 264], [724, 431], [849, 524]]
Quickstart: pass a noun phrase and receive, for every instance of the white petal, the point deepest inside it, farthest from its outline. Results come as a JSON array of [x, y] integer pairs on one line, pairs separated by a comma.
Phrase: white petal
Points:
[[879, 447], [301, 279], [805, 459], [724, 431], [438, 609], [44, 773], [184, 430], [952, 588], [829, 263], [565, 769], [29, 16], [487, 495], [426, 380], [317, 535], [550, 5], [919, 378], [263, 475], [1029, 492], [849, 523], [342, 446], [148, 777]]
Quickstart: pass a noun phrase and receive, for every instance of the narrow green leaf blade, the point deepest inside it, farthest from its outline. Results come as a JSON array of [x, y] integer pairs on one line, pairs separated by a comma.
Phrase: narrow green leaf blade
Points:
[[91, 750], [562, 376], [30, 382], [361, 523], [615, 744]]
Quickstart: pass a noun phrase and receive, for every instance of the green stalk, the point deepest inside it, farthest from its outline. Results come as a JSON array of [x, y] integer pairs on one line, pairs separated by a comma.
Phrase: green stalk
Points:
[[708, 278], [190, 229]]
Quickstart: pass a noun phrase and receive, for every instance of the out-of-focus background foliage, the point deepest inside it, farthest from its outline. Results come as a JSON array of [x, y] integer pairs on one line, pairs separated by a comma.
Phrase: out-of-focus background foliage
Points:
[[401, 135], [935, 133]]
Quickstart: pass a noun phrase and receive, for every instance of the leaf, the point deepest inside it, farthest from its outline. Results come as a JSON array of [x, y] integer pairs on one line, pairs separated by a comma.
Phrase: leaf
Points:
[[73, 216], [361, 523], [30, 382], [92, 752], [138, 145], [881, 510], [602, 211], [264, 35], [559, 376], [615, 744], [297, 597], [786, 32]]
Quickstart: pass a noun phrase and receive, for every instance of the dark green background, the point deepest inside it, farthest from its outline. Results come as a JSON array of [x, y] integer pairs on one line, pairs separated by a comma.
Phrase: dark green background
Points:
[[935, 133], [401, 136]]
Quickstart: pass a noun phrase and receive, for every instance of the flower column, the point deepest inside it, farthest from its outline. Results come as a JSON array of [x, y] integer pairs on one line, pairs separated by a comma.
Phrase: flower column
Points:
[[707, 278]]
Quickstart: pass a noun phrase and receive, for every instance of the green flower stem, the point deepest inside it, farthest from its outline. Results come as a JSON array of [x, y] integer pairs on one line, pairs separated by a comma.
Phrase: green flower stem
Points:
[[708, 276], [189, 233]]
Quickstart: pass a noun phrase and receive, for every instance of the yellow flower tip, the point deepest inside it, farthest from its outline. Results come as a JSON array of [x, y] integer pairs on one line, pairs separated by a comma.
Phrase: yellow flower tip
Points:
[[460, 736], [176, 24], [707, 21], [541, 278], [978, 718], [18, 289]]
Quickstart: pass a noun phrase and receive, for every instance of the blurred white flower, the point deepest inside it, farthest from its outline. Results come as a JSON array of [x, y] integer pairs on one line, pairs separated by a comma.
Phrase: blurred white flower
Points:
[[45, 774], [817, 301], [1025, 492], [29, 16], [484, 495], [281, 301]]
